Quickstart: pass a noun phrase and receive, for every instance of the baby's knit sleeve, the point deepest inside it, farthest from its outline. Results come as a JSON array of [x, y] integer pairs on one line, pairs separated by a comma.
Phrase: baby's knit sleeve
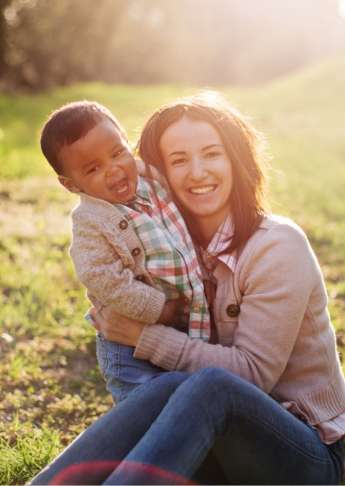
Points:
[[109, 276]]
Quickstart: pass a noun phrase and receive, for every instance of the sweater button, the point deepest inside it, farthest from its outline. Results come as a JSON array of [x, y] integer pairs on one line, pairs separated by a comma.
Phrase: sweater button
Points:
[[135, 252], [233, 310], [123, 224]]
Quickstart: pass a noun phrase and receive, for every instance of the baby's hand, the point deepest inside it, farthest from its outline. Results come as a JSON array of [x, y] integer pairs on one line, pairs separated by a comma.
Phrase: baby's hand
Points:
[[171, 310]]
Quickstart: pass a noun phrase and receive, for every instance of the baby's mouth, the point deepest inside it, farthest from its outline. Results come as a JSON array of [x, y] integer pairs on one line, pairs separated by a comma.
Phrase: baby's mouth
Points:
[[121, 187]]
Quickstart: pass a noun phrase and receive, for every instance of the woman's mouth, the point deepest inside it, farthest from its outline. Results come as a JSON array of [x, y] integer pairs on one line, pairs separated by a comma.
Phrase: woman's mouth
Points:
[[200, 190]]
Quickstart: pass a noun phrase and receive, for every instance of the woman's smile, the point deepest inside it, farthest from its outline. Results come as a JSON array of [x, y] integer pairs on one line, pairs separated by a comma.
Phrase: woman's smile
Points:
[[203, 189]]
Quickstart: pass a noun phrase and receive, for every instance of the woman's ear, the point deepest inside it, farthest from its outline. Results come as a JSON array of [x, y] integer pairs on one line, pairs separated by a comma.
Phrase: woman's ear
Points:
[[68, 184]]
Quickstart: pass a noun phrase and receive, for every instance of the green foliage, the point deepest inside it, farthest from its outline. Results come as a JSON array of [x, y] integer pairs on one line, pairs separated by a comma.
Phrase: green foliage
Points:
[[21, 119], [50, 386], [45, 43], [34, 449]]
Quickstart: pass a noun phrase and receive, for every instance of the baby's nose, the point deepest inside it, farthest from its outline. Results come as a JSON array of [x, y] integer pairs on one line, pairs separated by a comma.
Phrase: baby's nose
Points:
[[114, 172]]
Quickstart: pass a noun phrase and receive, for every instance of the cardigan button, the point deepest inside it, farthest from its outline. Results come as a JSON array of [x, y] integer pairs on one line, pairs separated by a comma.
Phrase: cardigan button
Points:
[[233, 310], [123, 224], [135, 252]]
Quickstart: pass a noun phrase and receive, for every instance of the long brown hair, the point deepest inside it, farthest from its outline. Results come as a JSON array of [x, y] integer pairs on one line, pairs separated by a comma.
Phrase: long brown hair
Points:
[[243, 145]]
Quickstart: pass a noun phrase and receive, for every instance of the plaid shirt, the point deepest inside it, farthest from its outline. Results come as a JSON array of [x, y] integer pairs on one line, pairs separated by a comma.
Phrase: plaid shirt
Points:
[[170, 255], [220, 241]]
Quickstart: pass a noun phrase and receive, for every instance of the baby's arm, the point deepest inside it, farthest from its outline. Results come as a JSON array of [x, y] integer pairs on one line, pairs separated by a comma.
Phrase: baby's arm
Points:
[[110, 279]]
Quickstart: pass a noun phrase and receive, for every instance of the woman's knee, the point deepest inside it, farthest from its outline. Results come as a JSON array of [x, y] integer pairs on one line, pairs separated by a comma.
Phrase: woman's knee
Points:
[[221, 387], [217, 378]]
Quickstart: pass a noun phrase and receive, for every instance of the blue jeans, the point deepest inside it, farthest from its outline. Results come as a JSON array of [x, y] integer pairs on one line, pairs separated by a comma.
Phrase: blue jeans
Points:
[[121, 371], [110, 438], [166, 429]]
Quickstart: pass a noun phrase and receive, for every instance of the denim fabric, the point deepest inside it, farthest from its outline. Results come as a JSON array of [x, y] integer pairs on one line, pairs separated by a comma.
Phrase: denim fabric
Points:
[[120, 370], [168, 427], [254, 439], [110, 438]]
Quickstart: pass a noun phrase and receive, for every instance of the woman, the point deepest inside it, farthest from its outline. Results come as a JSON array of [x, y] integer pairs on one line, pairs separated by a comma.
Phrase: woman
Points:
[[272, 407]]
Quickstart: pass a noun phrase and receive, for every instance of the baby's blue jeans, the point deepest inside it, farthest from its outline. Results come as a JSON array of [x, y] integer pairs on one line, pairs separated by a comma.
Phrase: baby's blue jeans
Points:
[[121, 371]]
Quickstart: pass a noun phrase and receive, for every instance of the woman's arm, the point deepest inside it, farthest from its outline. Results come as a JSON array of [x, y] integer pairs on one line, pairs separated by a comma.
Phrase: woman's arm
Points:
[[277, 279]]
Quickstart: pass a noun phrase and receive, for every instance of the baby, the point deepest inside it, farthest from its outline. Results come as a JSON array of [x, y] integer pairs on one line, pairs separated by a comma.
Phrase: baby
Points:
[[131, 248]]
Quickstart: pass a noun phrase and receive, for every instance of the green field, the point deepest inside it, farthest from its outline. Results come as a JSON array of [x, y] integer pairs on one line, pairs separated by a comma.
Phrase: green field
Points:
[[50, 388]]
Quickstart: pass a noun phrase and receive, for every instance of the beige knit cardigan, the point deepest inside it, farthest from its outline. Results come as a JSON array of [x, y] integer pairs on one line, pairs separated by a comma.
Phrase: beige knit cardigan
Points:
[[109, 260]]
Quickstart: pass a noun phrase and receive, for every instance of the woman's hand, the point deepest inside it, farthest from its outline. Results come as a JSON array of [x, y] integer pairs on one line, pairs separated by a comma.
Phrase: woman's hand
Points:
[[115, 327]]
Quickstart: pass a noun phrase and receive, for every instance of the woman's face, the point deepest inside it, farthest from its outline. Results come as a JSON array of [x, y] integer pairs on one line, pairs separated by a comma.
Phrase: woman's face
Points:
[[198, 170]]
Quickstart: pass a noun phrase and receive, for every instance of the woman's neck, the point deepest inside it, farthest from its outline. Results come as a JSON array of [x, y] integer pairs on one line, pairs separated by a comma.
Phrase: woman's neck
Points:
[[202, 231]]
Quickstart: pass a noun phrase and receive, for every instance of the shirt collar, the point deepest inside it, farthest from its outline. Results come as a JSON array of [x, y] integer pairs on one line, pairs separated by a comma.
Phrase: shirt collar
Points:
[[142, 195], [220, 241]]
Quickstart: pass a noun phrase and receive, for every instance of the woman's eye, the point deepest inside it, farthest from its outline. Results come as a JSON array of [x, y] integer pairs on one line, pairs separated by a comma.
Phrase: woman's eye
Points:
[[212, 154], [177, 162]]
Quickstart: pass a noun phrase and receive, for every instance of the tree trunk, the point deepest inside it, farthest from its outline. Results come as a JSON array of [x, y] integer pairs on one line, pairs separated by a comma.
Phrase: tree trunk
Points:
[[3, 37]]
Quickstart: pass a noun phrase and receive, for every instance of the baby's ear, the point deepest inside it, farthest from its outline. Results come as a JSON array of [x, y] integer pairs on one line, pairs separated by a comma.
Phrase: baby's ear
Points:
[[68, 184]]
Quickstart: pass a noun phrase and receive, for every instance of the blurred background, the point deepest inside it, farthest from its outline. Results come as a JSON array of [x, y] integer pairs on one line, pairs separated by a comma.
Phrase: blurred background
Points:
[[45, 43], [281, 62]]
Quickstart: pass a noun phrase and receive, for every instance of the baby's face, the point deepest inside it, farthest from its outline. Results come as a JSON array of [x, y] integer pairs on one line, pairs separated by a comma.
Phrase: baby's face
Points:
[[101, 164]]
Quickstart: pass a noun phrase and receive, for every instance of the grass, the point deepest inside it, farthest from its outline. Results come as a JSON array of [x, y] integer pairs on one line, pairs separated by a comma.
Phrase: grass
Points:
[[49, 382]]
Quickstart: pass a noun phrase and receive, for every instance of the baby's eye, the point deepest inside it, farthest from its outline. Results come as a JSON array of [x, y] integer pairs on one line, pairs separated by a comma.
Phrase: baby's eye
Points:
[[92, 169], [118, 152]]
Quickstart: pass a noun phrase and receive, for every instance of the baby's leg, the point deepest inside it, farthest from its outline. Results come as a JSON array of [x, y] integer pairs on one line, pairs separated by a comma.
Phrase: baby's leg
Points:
[[121, 371]]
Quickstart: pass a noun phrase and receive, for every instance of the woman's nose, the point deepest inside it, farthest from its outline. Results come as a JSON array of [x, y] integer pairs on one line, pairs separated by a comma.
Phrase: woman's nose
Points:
[[197, 169]]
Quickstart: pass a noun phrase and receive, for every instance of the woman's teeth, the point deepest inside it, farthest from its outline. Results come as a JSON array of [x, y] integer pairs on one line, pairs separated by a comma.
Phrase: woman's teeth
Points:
[[202, 190]]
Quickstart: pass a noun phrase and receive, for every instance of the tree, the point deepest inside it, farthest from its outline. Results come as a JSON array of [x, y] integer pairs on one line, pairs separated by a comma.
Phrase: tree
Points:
[[45, 43], [3, 37], [61, 42]]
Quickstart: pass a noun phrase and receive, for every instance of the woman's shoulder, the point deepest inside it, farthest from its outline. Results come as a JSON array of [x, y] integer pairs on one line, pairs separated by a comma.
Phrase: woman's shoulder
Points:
[[274, 226], [277, 237], [277, 221], [279, 247]]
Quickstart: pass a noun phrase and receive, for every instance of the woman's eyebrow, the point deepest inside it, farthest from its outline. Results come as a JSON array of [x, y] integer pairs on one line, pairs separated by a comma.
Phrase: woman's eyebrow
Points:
[[177, 152], [207, 147], [212, 145]]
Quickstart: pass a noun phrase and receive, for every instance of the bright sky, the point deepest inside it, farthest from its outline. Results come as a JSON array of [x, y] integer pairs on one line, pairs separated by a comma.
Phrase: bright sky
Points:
[[342, 8]]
